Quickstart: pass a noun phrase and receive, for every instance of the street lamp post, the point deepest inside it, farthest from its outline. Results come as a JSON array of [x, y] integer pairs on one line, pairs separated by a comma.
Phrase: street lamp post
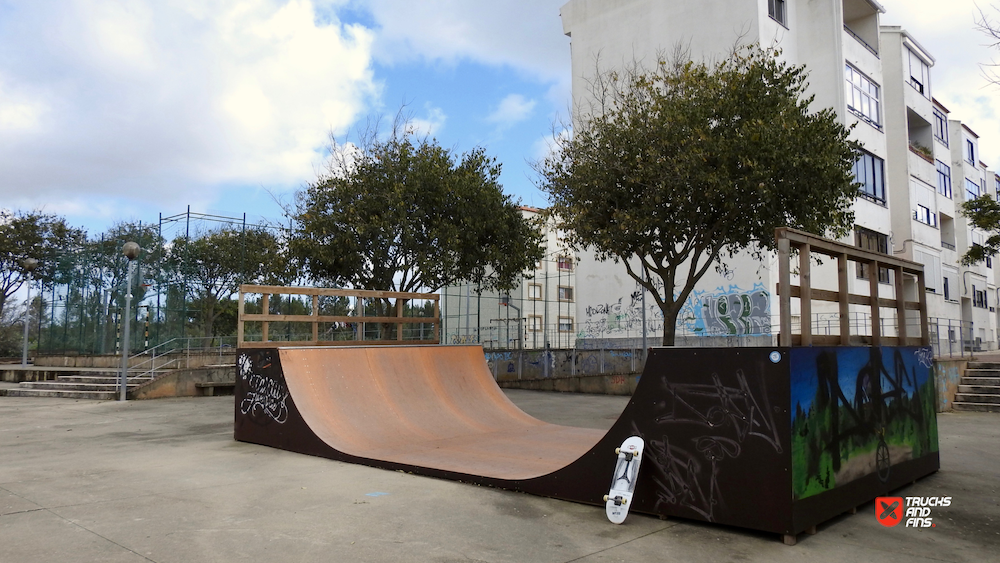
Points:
[[29, 266], [131, 251]]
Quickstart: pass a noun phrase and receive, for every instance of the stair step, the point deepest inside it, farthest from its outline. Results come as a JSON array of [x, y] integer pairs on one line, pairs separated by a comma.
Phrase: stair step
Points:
[[984, 365], [64, 394], [56, 386], [979, 389], [98, 379], [976, 398], [982, 372], [975, 407], [988, 381]]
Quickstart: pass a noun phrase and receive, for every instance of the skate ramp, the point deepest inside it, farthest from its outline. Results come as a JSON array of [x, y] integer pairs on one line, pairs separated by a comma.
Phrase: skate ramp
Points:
[[431, 407], [717, 424]]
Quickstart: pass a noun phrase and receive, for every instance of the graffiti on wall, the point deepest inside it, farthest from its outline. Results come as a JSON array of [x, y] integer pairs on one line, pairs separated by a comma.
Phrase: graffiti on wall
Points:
[[728, 312], [705, 428], [620, 318], [731, 311]]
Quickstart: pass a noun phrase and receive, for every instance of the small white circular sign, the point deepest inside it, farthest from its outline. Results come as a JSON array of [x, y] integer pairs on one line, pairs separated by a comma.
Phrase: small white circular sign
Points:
[[775, 357]]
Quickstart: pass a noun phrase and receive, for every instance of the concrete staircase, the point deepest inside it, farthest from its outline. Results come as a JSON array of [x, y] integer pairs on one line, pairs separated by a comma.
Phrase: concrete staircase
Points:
[[979, 388], [101, 386]]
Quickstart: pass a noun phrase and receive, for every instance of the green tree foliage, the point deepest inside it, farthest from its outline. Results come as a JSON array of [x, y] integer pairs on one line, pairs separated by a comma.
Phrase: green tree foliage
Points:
[[214, 265], [405, 214], [31, 235], [673, 169], [983, 213]]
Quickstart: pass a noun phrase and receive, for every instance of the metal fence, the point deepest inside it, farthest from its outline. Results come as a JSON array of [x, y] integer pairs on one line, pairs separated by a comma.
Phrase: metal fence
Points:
[[954, 338], [543, 364]]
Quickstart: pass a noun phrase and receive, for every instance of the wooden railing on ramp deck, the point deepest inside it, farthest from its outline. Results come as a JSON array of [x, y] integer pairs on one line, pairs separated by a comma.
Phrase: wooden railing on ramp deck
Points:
[[807, 244], [348, 329]]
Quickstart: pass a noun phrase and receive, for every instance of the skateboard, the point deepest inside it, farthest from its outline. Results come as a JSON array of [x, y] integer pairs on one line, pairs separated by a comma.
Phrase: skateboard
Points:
[[619, 498]]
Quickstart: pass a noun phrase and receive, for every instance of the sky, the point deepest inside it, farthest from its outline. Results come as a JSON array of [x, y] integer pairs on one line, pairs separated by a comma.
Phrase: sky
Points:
[[126, 110]]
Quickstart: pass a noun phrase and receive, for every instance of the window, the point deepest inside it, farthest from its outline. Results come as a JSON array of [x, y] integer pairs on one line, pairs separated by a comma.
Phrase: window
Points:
[[565, 324], [776, 9], [979, 298], [869, 171], [862, 97], [970, 151], [972, 189], [565, 263], [941, 127], [874, 242], [944, 179], [534, 291], [925, 216], [920, 76], [535, 323], [947, 289], [565, 293]]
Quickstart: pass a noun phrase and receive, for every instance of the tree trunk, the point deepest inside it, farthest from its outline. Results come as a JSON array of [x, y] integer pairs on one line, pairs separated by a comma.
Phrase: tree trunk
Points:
[[670, 313]]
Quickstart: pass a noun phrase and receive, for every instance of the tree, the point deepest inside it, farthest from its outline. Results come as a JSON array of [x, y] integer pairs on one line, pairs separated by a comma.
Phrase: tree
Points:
[[982, 213], [405, 214], [102, 267], [216, 263], [31, 235], [674, 169]]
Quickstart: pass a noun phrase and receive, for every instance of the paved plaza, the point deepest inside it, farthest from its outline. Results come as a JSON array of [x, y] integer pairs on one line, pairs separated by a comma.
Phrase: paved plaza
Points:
[[164, 481]]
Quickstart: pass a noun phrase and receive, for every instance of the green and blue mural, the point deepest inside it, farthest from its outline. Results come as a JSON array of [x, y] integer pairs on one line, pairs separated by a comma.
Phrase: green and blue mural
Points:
[[857, 412]]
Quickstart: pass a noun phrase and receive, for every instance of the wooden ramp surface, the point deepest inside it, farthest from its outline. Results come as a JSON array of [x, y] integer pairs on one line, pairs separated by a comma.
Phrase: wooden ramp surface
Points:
[[433, 407]]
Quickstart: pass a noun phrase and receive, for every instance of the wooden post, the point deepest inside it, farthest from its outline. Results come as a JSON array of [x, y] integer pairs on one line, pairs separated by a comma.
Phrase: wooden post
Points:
[[437, 321], [901, 331], [315, 314], [266, 310], [873, 291], [239, 323], [784, 291], [805, 294], [843, 292], [399, 323]]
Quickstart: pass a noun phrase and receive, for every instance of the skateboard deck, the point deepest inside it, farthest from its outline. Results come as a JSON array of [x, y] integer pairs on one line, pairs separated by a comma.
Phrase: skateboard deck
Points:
[[619, 498]]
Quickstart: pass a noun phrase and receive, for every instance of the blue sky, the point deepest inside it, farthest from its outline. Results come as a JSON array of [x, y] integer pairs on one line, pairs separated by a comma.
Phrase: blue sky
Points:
[[114, 110]]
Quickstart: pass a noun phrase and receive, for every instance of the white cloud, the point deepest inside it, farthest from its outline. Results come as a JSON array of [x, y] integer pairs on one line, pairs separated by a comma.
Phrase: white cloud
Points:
[[158, 100], [430, 124], [512, 109], [523, 34]]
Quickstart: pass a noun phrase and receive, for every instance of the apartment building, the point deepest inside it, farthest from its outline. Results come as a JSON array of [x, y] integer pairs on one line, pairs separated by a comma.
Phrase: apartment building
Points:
[[838, 41], [540, 312]]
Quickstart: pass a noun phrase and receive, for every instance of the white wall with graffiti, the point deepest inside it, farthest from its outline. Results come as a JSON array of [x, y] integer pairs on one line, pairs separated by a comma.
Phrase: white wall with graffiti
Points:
[[731, 307]]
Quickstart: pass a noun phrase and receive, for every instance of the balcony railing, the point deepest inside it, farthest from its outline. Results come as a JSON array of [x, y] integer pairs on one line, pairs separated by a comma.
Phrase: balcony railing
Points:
[[860, 40], [947, 245]]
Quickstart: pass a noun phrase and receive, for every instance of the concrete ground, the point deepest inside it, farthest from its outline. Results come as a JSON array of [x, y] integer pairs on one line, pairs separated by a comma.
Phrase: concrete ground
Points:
[[164, 481]]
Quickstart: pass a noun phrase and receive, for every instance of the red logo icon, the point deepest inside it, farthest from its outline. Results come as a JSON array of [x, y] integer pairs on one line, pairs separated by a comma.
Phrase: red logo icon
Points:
[[889, 510]]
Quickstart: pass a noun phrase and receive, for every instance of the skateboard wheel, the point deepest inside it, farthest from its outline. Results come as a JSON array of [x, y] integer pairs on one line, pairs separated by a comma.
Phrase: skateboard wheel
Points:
[[605, 498], [618, 450]]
